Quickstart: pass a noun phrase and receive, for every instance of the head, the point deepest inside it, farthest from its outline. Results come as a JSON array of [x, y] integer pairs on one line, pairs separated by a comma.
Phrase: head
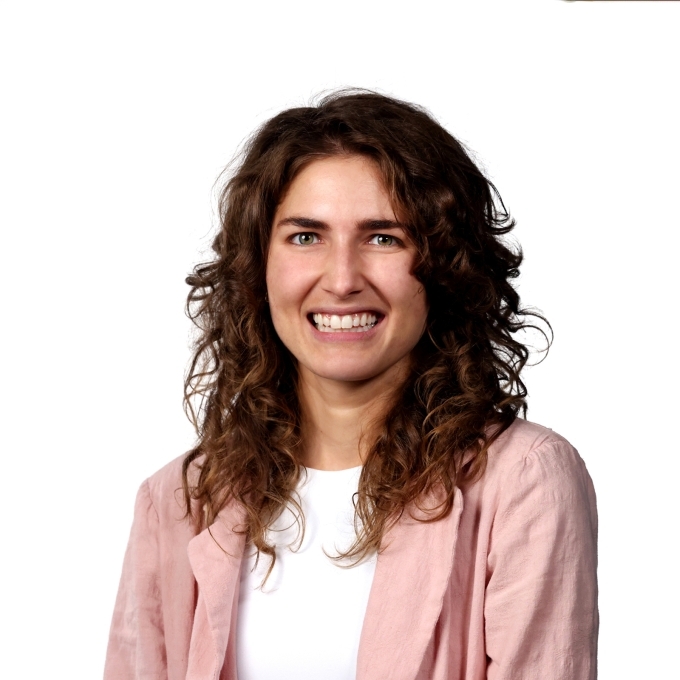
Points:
[[342, 294], [422, 179], [360, 204]]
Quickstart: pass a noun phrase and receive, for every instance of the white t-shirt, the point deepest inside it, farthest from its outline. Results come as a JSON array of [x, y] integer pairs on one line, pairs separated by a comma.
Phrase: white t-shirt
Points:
[[306, 622]]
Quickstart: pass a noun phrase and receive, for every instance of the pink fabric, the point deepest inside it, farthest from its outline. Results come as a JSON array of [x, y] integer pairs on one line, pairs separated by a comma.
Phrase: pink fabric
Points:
[[504, 588]]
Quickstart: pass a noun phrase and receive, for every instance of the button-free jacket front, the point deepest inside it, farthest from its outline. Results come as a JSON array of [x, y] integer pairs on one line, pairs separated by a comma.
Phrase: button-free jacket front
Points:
[[503, 588]]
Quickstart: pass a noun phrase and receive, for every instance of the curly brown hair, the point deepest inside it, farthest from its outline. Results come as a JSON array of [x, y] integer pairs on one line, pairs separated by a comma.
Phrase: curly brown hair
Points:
[[464, 387]]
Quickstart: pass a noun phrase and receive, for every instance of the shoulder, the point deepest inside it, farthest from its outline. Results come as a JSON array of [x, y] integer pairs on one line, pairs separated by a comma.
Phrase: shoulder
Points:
[[165, 490], [527, 454], [523, 438], [524, 442]]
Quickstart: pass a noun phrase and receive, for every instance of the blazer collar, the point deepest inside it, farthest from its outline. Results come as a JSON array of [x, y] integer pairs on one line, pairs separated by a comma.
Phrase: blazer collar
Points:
[[411, 576]]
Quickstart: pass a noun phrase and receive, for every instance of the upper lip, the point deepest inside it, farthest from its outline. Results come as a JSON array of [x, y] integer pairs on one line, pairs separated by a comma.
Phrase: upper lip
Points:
[[347, 311]]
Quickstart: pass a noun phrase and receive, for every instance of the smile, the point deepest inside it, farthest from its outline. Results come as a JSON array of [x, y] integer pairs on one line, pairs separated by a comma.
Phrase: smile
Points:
[[346, 323]]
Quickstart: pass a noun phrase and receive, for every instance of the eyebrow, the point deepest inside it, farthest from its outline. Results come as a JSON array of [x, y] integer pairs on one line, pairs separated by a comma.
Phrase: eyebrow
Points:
[[320, 225]]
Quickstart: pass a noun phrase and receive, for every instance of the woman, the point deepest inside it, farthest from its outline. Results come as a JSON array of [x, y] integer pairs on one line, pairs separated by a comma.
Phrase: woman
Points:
[[364, 500]]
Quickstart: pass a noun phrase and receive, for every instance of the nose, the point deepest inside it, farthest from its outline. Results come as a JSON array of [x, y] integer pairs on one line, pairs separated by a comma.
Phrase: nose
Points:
[[343, 275]]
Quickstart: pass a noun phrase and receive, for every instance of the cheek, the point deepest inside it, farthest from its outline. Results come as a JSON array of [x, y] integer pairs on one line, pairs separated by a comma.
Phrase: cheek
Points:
[[286, 285], [405, 288], [409, 295], [278, 275], [419, 306]]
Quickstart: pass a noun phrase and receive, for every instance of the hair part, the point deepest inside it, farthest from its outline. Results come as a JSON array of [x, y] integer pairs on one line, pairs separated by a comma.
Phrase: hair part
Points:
[[464, 388]]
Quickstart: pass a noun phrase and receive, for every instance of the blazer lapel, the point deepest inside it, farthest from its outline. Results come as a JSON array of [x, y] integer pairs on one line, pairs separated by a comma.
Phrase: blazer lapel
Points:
[[215, 556], [411, 577]]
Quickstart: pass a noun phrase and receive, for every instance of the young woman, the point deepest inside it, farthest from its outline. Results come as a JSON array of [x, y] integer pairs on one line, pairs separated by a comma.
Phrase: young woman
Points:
[[364, 500]]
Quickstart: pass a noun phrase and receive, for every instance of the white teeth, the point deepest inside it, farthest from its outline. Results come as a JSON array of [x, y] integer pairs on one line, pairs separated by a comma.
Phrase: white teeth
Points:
[[356, 323]]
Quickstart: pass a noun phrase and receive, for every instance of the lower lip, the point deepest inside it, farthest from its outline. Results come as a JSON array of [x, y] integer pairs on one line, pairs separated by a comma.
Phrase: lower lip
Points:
[[346, 336]]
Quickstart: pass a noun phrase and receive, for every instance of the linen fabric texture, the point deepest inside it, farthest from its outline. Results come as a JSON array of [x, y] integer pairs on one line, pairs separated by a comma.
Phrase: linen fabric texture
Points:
[[503, 588]]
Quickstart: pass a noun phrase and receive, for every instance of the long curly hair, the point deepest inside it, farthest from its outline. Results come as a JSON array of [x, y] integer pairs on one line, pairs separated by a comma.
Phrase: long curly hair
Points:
[[464, 388]]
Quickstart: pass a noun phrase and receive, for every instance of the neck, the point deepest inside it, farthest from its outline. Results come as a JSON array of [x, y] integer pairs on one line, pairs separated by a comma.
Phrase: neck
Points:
[[339, 418]]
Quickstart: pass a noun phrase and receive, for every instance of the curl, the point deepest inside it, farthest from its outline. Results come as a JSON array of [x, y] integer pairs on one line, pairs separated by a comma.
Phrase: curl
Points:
[[465, 386]]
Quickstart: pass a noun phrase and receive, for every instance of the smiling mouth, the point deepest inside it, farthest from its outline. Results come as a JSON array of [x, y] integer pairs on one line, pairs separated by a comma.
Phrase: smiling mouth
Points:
[[346, 323]]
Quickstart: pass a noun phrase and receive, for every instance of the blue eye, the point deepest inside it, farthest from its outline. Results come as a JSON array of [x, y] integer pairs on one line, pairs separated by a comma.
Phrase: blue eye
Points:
[[383, 240], [304, 239]]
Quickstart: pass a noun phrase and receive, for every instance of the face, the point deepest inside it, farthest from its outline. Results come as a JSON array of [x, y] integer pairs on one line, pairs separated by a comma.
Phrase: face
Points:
[[341, 293]]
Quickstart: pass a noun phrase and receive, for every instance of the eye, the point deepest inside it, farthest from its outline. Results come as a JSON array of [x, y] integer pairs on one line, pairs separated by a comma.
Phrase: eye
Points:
[[304, 239], [383, 240]]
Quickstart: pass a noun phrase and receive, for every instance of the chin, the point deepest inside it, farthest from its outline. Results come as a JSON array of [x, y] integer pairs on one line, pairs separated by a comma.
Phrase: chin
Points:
[[344, 371], [346, 376]]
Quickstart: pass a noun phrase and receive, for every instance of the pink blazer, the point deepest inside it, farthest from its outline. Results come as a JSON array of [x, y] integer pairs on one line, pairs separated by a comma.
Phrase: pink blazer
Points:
[[503, 588]]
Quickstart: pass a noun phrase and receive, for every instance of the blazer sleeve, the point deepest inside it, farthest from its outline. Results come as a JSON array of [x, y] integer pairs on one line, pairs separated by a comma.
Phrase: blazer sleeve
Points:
[[136, 649], [541, 617]]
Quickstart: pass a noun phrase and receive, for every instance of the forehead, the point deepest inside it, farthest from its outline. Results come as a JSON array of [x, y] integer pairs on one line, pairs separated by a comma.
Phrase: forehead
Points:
[[340, 186]]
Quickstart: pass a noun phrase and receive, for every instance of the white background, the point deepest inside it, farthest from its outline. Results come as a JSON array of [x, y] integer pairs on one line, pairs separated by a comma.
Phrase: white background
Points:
[[117, 118]]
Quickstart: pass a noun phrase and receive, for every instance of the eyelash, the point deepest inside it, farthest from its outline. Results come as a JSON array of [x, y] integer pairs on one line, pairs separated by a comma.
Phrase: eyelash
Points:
[[395, 240]]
